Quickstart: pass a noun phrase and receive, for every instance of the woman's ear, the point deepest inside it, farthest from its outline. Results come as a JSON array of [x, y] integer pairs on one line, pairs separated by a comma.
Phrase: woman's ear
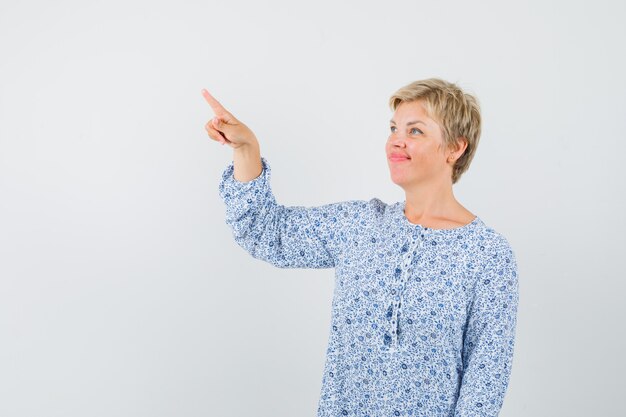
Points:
[[456, 152], [462, 141]]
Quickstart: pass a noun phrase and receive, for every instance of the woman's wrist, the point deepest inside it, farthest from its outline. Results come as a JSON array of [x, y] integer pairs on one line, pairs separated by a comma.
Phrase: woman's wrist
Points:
[[247, 161]]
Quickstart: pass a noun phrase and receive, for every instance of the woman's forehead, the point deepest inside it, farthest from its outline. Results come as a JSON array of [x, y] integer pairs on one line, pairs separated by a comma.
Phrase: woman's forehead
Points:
[[413, 110]]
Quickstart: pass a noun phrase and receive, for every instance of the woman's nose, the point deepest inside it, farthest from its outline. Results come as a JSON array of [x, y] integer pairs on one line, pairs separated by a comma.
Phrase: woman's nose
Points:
[[397, 140]]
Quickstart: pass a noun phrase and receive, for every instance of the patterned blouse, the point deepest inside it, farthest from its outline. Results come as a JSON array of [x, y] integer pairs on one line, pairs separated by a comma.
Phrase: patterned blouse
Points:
[[423, 320]]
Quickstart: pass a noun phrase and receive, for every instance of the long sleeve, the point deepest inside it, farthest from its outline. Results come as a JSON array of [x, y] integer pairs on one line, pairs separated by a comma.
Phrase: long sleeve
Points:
[[489, 338], [286, 237]]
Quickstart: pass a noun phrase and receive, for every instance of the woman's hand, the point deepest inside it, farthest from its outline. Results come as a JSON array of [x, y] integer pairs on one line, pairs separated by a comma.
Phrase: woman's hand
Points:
[[225, 128]]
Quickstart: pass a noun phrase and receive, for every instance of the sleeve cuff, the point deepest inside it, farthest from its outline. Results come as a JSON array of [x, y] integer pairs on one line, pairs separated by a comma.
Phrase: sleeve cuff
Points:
[[242, 197]]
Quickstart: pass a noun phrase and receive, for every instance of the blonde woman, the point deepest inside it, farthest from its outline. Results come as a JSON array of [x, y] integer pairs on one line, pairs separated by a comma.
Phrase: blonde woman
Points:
[[426, 294]]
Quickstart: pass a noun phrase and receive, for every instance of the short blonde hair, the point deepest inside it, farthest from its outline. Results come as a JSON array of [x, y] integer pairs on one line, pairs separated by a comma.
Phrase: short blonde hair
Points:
[[456, 112]]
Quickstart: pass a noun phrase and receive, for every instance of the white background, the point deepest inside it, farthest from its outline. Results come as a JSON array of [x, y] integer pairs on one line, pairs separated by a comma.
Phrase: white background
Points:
[[122, 292]]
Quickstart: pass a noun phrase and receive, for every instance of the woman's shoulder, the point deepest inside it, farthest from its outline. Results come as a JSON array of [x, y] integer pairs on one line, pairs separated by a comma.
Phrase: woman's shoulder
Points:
[[490, 243]]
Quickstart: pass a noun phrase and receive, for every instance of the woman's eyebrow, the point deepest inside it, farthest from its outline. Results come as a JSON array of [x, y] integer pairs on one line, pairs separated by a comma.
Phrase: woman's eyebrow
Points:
[[410, 123]]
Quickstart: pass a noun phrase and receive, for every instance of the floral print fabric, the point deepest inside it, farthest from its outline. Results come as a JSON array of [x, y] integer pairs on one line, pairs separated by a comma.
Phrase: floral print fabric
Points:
[[423, 320]]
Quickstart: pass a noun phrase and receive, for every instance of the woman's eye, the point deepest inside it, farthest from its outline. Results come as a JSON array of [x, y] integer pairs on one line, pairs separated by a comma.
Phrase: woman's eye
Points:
[[413, 130]]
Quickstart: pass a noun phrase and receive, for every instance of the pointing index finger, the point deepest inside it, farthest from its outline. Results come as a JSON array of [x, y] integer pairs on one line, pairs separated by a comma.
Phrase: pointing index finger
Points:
[[215, 105]]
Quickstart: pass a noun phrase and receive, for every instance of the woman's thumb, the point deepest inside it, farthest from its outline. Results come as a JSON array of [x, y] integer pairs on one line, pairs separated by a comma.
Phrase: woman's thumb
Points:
[[224, 125]]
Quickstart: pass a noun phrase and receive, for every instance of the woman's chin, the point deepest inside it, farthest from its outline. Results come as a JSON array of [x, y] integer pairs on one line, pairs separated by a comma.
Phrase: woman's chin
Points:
[[398, 178]]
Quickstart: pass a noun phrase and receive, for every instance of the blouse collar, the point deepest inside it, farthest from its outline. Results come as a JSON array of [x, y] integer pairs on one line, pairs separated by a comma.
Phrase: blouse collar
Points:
[[403, 222]]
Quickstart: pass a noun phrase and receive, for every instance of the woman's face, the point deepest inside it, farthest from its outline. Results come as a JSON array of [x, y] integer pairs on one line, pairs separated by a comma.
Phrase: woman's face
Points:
[[414, 149]]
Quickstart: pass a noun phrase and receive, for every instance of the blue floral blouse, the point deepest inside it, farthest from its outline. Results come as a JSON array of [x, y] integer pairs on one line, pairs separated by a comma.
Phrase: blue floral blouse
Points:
[[423, 320]]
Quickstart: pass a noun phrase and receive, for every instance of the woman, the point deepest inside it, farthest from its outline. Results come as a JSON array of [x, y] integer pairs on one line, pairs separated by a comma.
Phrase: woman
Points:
[[426, 294]]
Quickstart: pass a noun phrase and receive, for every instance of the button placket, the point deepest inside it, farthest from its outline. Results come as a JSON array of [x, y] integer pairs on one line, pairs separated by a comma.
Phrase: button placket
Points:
[[399, 286]]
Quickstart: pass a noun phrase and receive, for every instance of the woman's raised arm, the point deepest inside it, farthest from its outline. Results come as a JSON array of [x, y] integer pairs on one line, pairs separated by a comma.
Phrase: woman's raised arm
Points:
[[286, 237]]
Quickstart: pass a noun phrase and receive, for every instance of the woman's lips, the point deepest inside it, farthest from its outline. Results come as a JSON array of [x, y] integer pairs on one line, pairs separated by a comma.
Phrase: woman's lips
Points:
[[398, 158]]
